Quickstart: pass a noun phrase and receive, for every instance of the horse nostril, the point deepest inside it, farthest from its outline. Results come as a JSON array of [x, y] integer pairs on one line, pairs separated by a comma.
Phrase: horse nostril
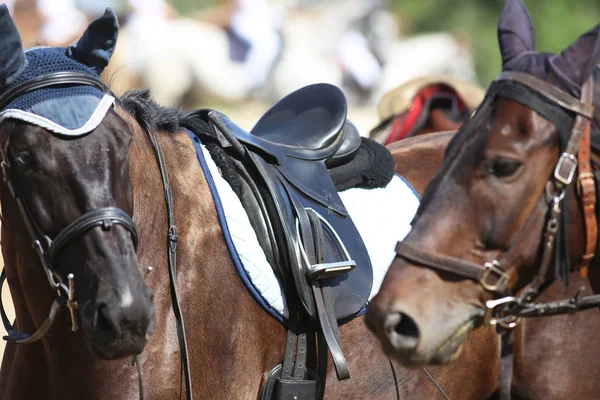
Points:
[[105, 323], [402, 331]]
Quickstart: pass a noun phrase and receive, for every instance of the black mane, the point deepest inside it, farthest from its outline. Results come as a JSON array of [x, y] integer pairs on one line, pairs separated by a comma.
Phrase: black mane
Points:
[[151, 115]]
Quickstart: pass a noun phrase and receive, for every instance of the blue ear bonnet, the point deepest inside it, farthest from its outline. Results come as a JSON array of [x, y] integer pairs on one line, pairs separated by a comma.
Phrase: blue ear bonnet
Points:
[[66, 109]]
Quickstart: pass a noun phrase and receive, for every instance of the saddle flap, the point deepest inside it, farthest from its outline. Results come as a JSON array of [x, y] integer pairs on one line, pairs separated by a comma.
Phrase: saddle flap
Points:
[[312, 180], [350, 290]]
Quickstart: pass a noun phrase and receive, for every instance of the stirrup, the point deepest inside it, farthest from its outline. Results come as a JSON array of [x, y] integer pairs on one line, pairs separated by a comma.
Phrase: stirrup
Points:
[[325, 270]]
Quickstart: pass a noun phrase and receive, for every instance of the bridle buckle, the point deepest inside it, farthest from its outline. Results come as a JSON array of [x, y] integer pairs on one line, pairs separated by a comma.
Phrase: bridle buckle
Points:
[[566, 164], [493, 267], [581, 177]]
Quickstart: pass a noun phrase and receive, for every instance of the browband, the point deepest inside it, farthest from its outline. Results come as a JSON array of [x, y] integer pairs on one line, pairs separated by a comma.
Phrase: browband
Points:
[[561, 118], [48, 80], [549, 91]]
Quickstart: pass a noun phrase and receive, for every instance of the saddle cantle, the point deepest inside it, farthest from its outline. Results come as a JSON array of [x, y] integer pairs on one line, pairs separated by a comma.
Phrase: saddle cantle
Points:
[[293, 205]]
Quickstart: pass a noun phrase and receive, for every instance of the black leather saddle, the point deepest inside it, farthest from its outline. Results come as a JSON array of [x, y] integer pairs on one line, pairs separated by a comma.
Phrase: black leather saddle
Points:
[[292, 203], [290, 149]]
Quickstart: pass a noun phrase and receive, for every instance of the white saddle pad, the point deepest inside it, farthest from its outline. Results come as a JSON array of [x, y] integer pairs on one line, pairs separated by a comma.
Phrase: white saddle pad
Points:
[[382, 216]]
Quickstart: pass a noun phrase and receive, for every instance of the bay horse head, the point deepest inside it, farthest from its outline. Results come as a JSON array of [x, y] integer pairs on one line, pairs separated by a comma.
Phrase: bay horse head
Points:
[[492, 229], [67, 196]]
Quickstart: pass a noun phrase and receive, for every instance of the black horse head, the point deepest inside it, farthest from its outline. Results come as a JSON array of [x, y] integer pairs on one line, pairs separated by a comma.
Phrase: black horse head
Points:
[[66, 158]]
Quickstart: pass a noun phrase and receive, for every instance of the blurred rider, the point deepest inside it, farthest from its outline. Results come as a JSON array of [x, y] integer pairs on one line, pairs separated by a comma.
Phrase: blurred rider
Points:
[[147, 15], [358, 50], [258, 23], [63, 22], [10, 4]]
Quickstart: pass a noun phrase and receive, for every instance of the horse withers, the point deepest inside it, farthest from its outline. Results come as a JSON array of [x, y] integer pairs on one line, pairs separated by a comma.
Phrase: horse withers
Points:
[[503, 219]]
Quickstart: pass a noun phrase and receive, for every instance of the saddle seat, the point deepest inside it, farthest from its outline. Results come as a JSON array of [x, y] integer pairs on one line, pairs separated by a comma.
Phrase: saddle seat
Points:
[[309, 125], [282, 165]]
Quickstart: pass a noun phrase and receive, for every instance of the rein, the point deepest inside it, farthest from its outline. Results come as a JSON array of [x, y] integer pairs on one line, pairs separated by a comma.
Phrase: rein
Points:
[[172, 237], [104, 218]]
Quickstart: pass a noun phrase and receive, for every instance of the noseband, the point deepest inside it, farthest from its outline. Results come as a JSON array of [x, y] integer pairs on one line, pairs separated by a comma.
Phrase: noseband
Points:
[[494, 276], [46, 248]]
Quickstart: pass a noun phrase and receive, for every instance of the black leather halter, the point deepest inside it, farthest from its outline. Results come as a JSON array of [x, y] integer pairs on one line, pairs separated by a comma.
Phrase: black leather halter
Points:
[[46, 248], [494, 276]]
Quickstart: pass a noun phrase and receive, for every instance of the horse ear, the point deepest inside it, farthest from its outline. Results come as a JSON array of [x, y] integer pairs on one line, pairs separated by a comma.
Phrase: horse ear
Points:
[[578, 61], [97, 43], [516, 33], [12, 57]]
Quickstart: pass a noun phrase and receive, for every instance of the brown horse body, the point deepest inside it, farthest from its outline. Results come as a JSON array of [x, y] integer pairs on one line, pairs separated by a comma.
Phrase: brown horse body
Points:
[[233, 342]]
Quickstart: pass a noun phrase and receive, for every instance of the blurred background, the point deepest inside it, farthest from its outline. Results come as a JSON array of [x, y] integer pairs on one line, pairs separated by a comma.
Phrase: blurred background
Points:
[[240, 56], [228, 53]]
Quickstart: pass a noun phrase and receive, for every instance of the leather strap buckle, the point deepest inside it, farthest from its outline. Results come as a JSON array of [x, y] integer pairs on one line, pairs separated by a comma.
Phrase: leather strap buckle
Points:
[[493, 267], [580, 178], [565, 168]]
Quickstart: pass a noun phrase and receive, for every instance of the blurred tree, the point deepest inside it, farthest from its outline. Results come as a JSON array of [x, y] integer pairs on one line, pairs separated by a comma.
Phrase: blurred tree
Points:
[[185, 6], [558, 23]]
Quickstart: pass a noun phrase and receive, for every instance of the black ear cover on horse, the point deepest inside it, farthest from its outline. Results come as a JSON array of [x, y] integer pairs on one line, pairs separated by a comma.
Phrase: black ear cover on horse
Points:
[[12, 58], [577, 62], [516, 34], [97, 43]]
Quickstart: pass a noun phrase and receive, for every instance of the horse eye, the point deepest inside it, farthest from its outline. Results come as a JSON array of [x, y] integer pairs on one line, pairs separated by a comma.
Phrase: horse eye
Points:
[[24, 158], [503, 167]]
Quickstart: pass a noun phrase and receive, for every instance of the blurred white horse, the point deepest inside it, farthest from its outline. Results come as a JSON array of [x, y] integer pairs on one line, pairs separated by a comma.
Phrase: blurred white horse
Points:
[[428, 54], [184, 56], [189, 59]]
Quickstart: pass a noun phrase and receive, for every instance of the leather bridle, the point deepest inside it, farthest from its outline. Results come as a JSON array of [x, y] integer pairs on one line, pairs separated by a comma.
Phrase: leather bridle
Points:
[[495, 275], [46, 248], [103, 217]]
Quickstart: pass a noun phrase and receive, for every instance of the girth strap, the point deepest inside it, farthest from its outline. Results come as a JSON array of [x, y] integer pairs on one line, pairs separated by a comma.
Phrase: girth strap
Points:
[[311, 230]]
